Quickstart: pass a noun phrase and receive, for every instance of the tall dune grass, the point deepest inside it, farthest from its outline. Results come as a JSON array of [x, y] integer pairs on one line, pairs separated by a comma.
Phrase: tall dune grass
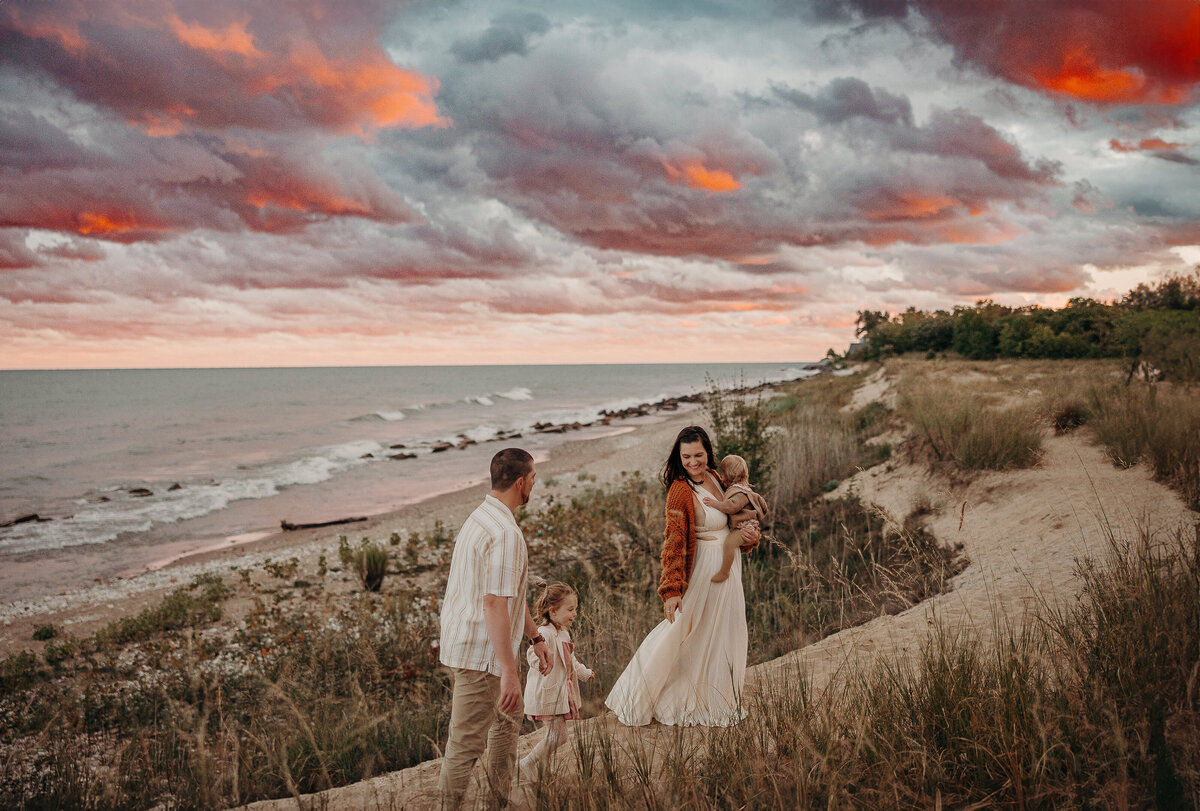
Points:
[[963, 428], [1092, 705], [1156, 423]]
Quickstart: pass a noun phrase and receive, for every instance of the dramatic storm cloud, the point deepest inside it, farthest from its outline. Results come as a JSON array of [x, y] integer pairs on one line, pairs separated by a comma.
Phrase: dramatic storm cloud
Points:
[[200, 183]]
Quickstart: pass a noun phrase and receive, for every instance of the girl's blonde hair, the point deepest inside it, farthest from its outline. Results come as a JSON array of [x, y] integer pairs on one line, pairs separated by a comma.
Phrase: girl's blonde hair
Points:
[[552, 596], [734, 469]]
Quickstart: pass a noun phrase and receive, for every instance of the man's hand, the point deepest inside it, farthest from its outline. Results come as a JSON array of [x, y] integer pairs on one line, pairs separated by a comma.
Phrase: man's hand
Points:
[[510, 692], [542, 654], [670, 606]]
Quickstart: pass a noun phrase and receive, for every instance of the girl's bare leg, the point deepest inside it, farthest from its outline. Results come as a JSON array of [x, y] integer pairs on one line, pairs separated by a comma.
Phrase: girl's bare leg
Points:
[[556, 734]]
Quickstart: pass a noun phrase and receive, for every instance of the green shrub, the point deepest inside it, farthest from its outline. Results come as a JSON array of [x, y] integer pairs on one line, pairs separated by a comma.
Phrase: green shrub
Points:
[[43, 632], [181, 608], [740, 420], [17, 670], [370, 564]]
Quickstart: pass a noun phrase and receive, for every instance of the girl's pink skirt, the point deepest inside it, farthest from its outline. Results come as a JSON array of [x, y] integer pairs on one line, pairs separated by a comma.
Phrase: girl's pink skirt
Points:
[[571, 715]]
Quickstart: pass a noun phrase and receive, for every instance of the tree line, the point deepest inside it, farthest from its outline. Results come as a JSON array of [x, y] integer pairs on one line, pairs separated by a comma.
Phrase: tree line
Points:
[[1154, 327]]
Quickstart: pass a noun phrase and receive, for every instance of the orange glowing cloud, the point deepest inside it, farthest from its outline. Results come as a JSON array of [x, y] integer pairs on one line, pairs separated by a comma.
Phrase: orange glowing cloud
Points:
[[375, 92], [1097, 51], [111, 224], [909, 205], [695, 175], [233, 38], [269, 69], [1080, 76], [307, 200], [1154, 144]]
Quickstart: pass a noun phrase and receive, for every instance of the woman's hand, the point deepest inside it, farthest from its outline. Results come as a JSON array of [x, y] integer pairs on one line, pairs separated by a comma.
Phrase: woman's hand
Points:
[[670, 606]]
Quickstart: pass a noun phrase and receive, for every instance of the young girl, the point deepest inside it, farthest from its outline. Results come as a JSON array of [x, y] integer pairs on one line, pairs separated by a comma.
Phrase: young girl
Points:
[[554, 697], [741, 504]]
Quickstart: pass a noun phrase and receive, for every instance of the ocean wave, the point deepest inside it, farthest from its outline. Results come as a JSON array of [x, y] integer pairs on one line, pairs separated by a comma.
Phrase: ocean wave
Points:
[[104, 522], [380, 416], [518, 393], [481, 399]]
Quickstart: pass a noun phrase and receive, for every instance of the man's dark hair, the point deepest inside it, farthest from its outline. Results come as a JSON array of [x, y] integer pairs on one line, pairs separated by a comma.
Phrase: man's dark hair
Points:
[[509, 465]]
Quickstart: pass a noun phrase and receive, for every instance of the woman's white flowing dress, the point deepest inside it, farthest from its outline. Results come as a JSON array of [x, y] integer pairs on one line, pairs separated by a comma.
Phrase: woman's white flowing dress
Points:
[[691, 672]]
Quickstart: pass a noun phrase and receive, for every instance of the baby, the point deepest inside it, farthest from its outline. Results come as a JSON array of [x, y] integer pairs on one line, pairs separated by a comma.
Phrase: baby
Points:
[[741, 504]]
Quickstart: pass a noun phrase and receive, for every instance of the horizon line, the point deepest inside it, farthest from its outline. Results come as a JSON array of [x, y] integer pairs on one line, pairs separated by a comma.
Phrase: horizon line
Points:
[[385, 366]]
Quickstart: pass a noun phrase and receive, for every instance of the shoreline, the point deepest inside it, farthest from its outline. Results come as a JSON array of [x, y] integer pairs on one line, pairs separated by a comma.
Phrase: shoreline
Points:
[[574, 462]]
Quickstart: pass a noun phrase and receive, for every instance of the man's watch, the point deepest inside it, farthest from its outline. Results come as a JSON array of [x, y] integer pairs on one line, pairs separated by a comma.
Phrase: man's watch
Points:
[[539, 638]]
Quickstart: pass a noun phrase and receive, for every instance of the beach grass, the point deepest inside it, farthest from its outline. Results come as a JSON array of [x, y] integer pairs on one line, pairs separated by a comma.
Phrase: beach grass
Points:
[[1091, 705], [1155, 423], [962, 428]]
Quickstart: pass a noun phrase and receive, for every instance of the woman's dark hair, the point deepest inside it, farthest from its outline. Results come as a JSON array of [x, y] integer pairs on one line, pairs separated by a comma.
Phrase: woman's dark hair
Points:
[[673, 470]]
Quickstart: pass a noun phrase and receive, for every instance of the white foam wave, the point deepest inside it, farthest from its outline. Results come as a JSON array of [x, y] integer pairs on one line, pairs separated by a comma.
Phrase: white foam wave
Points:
[[482, 400], [390, 416], [482, 433], [101, 523], [519, 393]]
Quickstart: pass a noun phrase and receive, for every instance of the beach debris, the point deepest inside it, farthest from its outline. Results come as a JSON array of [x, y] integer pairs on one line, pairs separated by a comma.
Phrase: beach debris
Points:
[[367, 456], [140, 492], [402, 456], [24, 519], [174, 487], [442, 446], [288, 526]]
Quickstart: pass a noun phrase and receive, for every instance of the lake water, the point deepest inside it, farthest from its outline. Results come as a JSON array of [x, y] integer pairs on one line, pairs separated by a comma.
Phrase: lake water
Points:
[[232, 452]]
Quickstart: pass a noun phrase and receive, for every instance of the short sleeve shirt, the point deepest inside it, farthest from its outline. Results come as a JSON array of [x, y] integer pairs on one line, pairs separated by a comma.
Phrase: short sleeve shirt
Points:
[[490, 557]]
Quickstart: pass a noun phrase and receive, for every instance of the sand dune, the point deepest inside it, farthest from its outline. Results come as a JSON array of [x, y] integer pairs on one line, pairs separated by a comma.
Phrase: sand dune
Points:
[[1022, 531]]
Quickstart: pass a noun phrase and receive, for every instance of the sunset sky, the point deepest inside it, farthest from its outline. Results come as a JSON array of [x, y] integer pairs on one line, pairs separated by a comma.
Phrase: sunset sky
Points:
[[218, 183]]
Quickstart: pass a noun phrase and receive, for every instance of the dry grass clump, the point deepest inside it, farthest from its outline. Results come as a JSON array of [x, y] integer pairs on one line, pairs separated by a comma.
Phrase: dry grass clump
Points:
[[964, 429], [1157, 423]]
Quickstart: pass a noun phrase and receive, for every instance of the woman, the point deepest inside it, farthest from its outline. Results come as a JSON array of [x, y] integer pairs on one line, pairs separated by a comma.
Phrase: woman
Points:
[[691, 667]]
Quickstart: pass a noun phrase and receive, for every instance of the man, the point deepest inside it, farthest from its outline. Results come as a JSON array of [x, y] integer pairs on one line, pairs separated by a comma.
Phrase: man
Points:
[[484, 614]]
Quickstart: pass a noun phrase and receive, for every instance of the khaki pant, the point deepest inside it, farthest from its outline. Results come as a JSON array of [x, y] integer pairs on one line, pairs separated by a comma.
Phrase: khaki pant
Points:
[[476, 723]]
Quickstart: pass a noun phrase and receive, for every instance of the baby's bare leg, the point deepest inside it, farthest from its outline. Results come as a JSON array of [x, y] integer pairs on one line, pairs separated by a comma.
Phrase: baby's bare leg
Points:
[[728, 550]]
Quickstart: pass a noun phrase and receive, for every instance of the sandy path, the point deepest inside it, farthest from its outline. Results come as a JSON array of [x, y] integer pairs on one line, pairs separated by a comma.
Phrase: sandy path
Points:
[[1022, 531]]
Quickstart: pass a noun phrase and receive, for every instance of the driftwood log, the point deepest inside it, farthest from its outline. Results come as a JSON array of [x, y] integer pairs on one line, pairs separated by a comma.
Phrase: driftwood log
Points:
[[288, 526]]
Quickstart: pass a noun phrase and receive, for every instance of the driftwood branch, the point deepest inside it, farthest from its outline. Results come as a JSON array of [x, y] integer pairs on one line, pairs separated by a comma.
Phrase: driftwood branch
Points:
[[288, 526]]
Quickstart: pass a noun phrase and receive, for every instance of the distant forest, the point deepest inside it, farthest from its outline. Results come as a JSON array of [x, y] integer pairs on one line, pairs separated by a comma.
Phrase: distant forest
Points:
[[1155, 328]]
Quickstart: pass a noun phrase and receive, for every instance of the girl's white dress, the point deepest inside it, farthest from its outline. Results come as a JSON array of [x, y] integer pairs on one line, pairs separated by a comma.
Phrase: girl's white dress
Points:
[[691, 672]]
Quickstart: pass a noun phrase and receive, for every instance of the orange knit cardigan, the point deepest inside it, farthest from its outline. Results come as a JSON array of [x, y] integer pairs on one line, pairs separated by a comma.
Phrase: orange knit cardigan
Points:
[[679, 545]]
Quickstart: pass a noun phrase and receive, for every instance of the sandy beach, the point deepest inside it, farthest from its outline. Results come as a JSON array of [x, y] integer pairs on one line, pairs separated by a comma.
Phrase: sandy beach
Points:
[[630, 445]]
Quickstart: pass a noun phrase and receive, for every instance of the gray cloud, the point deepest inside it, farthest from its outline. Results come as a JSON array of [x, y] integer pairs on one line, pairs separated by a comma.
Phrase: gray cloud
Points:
[[508, 35]]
